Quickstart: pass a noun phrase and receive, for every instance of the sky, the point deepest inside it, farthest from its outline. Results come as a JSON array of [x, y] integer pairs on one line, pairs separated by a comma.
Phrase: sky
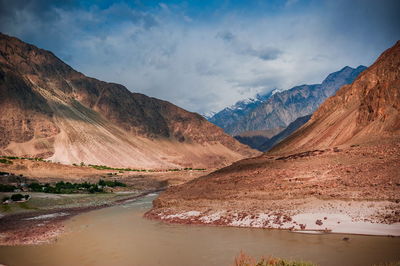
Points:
[[205, 55]]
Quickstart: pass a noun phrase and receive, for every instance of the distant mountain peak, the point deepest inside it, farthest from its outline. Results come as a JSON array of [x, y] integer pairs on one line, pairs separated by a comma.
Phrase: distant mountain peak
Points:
[[278, 108]]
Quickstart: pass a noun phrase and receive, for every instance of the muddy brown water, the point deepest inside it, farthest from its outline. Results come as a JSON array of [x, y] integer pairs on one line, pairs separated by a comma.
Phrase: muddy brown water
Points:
[[121, 236]]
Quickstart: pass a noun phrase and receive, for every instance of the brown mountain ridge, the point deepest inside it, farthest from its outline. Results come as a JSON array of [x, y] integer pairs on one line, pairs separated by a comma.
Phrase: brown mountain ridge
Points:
[[50, 110]]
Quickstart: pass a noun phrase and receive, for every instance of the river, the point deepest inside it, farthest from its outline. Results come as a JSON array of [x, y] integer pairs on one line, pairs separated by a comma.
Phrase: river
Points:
[[121, 236]]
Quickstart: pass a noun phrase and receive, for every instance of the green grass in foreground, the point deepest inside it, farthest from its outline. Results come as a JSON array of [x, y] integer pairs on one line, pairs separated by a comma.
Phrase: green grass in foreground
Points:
[[244, 260]]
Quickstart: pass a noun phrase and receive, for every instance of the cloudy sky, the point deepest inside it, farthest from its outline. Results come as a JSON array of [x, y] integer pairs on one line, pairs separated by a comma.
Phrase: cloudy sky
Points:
[[205, 55]]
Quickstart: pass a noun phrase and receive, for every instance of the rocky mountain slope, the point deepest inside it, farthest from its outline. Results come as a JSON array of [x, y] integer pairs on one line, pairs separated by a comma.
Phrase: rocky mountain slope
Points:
[[279, 109], [339, 172], [230, 116], [50, 110], [268, 144], [367, 109]]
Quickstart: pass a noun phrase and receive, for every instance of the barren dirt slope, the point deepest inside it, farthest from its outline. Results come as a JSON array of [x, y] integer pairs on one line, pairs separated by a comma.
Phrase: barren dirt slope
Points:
[[50, 110], [366, 109]]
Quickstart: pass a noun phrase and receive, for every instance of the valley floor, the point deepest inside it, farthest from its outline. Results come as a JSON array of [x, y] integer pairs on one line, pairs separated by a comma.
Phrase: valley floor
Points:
[[40, 219]]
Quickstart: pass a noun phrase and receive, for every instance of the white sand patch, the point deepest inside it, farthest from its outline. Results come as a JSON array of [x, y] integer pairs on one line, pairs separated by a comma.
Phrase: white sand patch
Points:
[[47, 216], [343, 223], [260, 220], [211, 217], [183, 215]]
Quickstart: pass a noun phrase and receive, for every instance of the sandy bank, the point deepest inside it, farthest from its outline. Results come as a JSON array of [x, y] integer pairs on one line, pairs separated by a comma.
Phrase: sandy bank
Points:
[[308, 216]]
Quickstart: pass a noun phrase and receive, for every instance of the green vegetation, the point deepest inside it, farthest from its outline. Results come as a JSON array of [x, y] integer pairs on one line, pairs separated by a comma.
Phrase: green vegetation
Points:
[[103, 167], [7, 188], [22, 158], [121, 170], [16, 197], [6, 161], [65, 187], [114, 183], [244, 260], [69, 188]]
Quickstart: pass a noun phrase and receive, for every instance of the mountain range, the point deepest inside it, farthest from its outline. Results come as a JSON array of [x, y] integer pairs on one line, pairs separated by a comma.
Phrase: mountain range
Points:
[[249, 119], [49, 110]]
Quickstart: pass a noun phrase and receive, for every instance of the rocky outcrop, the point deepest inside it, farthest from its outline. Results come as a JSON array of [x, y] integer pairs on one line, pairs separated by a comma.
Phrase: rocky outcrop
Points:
[[50, 110]]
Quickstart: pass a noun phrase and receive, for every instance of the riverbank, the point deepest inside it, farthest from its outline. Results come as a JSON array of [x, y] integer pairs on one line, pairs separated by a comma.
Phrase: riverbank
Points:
[[43, 226], [41, 218], [120, 236], [310, 215], [346, 189]]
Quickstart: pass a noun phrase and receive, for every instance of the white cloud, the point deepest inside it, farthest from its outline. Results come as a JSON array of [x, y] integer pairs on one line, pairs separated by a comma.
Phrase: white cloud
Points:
[[200, 65]]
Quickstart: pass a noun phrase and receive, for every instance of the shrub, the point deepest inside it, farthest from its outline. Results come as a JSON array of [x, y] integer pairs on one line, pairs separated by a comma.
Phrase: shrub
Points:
[[114, 183], [17, 197], [36, 187]]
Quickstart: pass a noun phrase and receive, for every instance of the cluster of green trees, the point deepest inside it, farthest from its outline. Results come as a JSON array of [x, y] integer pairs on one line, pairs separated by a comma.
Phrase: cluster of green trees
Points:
[[104, 167], [65, 187], [121, 170], [24, 158], [69, 188], [114, 183]]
